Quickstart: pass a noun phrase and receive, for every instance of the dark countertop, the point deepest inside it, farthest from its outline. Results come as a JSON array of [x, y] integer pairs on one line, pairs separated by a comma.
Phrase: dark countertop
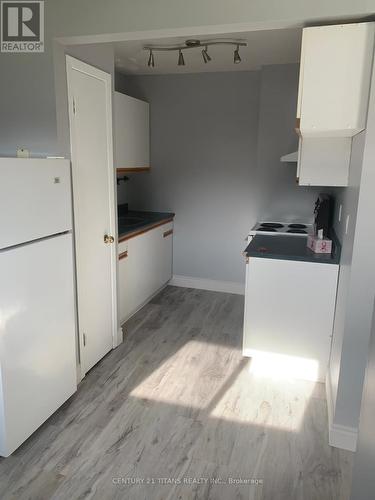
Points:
[[290, 248], [133, 222]]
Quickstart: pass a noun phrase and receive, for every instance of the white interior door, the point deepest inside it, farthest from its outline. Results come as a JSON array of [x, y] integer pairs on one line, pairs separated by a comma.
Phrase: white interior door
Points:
[[90, 116]]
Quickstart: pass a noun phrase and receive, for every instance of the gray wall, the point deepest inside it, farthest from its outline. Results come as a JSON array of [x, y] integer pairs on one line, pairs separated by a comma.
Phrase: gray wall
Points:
[[279, 196], [203, 154], [204, 149], [363, 486], [27, 92], [356, 291]]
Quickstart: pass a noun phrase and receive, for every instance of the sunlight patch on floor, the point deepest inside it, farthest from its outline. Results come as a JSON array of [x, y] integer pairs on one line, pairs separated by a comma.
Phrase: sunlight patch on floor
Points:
[[217, 381], [281, 366]]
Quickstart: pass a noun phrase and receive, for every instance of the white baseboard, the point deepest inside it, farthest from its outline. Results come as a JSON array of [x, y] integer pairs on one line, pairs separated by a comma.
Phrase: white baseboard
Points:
[[207, 284], [339, 436]]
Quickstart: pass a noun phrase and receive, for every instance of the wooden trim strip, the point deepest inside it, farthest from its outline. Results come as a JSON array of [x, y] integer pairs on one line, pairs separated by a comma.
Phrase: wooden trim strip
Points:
[[143, 230], [124, 170], [123, 255], [167, 233]]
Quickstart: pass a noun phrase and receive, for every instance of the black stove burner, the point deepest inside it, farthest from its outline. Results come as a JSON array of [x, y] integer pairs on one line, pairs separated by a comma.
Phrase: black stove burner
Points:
[[297, 231], [275, 225], [297, 226], [268, 229]]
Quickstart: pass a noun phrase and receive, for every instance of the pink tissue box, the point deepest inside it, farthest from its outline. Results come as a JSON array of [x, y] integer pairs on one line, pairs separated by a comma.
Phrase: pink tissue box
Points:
[[319, 246]]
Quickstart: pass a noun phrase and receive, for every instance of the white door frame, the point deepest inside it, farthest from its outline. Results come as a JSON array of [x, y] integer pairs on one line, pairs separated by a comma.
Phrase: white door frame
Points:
[[73, 64]]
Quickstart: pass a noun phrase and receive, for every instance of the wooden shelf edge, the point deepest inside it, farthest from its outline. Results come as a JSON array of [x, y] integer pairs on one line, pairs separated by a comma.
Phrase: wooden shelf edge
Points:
[[124, 170], [144, 230]]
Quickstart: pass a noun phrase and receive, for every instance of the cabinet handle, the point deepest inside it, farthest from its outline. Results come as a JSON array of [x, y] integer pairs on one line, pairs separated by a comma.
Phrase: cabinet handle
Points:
[[244, 254], [297, 128], [123, 255], [167, 233]]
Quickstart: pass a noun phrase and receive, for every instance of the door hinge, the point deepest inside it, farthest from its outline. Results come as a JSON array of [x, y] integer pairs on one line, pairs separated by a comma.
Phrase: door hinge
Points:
[[84, 339]]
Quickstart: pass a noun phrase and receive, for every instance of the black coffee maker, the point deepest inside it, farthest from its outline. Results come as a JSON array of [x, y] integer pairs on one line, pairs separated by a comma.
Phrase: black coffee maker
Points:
[[323, 213]]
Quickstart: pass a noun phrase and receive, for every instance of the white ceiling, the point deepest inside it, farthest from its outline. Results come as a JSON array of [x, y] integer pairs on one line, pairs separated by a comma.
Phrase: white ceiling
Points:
[[264, 47]]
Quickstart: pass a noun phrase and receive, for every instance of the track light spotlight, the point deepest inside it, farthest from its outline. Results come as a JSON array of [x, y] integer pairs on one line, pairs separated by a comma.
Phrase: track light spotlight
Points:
[[151, 61], [236, 57], [195, 44], [205, 55], [181, 60]]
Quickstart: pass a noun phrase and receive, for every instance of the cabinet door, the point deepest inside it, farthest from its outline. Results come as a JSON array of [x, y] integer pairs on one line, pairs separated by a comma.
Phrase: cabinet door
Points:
[[132, 132], [324, 161], [334, 82], [145, 265], [122, 281], [295, 338]]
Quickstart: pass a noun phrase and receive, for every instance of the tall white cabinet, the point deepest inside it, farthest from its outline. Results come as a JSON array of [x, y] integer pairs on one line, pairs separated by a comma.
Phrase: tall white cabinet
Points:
[[131, 133]]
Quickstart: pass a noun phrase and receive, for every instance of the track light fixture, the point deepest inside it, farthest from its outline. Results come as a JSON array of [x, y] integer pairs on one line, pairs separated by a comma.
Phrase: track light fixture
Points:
[[205, 55], [181, 60], [193, 44], [236, 57], [151, 61]]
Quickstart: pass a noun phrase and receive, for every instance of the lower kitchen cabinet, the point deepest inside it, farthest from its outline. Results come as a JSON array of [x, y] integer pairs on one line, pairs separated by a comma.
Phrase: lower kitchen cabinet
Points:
[[145, 266], [289, 312]]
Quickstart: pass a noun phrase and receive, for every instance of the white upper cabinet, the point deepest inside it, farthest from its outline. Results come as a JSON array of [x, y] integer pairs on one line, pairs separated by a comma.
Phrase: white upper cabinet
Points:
[[334, 79], [131, 132]]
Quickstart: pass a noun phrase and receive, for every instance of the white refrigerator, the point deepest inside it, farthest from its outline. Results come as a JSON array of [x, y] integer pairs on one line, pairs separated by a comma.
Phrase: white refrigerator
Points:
[[37, 299]]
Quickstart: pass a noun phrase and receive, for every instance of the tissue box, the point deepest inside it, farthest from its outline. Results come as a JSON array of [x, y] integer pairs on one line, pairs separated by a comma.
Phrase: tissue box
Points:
[[318, 245]]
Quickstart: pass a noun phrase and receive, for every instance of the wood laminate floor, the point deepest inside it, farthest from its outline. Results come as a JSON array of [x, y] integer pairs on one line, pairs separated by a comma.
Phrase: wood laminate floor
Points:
[[175, 413]]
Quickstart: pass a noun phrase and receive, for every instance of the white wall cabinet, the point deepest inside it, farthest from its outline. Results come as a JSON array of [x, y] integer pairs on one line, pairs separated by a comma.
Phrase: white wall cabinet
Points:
[[324, 161], [334, 83], [131, 132], [334, 80], [145, 266]]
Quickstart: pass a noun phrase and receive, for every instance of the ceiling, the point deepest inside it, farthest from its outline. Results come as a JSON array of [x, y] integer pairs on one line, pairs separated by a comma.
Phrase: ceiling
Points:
[[264, 47]]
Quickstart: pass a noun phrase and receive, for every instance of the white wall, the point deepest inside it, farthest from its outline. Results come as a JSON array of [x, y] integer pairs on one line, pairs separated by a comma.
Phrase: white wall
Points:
[[356, 290], [363, 485]]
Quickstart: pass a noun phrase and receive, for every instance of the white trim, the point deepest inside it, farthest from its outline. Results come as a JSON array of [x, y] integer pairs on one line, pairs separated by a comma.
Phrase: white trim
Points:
[[191, 31], [339, 436], [330, 404], [207, 284], [73, 64]]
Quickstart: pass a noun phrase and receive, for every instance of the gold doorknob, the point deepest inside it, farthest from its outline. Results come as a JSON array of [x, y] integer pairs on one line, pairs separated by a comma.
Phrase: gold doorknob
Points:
[[108, 239]]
